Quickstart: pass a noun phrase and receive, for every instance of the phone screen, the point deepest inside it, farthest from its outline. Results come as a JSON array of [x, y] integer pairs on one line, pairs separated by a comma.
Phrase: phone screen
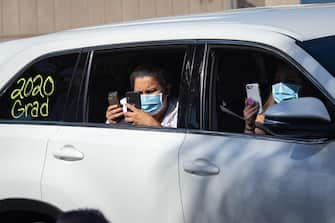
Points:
[[113, 98], [254, 93], [134, 98]]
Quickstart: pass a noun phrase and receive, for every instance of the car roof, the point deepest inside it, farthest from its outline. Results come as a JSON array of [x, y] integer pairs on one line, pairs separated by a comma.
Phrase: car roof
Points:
[[267, 25], [303, 22]]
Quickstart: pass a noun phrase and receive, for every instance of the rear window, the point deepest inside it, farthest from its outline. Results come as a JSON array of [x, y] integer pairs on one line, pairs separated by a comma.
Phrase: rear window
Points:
[[39, 93], [323, 50]]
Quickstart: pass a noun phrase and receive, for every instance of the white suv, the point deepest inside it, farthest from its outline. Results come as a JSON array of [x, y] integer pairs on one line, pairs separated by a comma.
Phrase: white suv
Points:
[[57, 153]]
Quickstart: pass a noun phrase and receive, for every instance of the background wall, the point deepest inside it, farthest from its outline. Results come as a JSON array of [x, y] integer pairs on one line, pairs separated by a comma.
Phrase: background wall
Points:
[[24, 18]]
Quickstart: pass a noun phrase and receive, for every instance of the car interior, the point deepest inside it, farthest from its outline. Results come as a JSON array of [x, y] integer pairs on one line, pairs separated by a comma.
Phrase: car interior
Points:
[[111, 70], [232, 68]]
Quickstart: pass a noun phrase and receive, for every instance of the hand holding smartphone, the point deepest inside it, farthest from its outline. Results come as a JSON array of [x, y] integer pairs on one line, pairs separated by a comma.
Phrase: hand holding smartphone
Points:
[[113, 98], [134, 98], [254, 93], [113, 114]]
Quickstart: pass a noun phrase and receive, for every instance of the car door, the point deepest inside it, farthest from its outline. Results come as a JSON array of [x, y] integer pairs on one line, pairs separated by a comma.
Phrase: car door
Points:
[[122, 172], [246, 179], [129, 173], [229, 176], [30, 111]]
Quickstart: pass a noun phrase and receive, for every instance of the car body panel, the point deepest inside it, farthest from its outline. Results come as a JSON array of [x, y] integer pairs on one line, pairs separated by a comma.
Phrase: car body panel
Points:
[[130, 175], [23, 149], [260, 180]]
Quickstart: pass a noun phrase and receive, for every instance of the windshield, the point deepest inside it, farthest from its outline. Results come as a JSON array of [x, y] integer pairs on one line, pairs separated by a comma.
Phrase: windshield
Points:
[[323, 50]]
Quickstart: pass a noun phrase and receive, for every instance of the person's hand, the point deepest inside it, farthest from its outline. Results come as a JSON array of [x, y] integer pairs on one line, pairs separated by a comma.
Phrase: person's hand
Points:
[[249, 113], [113, 113], [139, 117]]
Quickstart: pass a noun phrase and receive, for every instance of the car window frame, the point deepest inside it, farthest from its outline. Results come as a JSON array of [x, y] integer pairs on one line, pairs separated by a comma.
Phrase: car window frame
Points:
[[207, 80], [80, 96], [190, 57]]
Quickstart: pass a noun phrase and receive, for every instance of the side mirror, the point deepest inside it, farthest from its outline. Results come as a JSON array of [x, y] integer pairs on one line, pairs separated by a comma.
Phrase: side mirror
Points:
[[307, 108], [305, 117]]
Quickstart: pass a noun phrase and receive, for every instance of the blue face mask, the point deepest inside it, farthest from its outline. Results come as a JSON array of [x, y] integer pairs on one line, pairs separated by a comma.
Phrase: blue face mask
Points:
[[283, 92], [152, 103]]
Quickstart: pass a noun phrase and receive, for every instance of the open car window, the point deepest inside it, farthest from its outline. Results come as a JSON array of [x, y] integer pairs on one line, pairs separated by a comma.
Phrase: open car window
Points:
[[232, 69], [111, 69]]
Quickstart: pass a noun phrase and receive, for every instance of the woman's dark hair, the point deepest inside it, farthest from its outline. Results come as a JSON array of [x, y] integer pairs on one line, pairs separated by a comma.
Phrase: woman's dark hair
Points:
[[82, 216], [151, 71]]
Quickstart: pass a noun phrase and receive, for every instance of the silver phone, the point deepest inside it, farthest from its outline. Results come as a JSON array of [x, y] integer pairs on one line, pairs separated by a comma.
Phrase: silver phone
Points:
[[254, 93]]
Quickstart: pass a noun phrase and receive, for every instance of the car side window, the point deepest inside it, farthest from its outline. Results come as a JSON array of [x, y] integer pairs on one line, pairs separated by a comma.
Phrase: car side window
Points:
[[39, 93], [234, 69], [111, 70]]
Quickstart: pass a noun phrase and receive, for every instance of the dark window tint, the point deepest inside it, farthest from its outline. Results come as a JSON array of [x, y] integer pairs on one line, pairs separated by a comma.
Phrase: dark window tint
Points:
[[74, 103], [191, 84], [40, 92], [323, 50]]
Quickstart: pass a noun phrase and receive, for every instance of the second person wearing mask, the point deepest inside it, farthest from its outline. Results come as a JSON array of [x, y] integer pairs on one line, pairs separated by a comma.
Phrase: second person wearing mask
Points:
[[286, 86]]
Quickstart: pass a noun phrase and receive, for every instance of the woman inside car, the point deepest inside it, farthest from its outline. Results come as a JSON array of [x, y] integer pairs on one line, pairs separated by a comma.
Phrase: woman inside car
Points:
[[285, 86], [157, 108]]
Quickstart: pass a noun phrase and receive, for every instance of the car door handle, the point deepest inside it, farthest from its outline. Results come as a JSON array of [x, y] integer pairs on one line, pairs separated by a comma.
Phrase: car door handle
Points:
[[68, 153], [201, 167]]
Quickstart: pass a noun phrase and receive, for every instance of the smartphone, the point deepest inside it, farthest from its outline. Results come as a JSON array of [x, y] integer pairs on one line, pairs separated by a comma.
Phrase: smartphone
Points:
[[254, 93], [134, 98], [113, 98]]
